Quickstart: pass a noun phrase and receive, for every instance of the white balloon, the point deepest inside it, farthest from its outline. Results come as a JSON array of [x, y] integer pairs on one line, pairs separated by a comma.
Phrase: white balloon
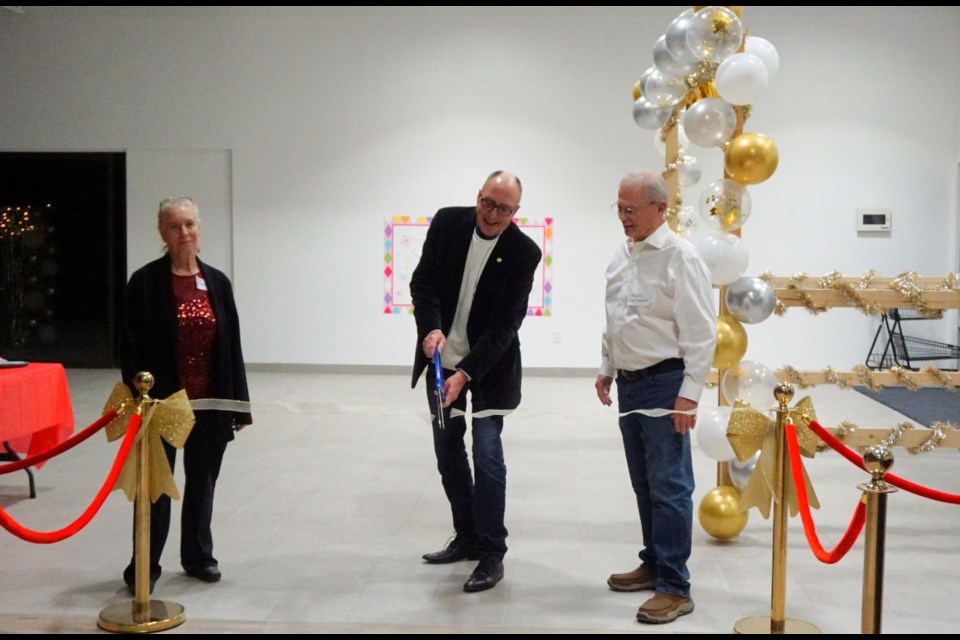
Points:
[[741, 78], [709, 122], [726, 256], [711, 433], [688, 222], [689, 171], [661, 145], [725, 205], [648, 115], [667, 64], [714, 33], [750, 382], [766, 52]]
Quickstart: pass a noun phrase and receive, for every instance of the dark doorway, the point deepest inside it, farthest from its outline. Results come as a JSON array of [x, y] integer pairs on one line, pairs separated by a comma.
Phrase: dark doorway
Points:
[[62, 256]]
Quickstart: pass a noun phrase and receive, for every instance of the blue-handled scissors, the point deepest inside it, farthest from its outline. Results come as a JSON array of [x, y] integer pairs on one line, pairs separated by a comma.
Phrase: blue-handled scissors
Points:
[[438, 373]]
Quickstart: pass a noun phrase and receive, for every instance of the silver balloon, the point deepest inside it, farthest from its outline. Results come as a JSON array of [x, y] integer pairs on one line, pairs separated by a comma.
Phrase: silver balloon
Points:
[[663, 90], [669, 65], [750, 300], [710, 122], [676, 38], [648, 115], [740, 472]]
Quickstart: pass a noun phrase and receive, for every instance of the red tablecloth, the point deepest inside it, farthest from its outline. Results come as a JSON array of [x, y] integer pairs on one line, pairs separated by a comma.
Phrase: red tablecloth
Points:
[[35, 408]]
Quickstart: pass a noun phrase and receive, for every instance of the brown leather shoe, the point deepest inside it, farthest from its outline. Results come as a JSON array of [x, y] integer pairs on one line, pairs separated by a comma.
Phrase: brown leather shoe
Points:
[[664, 607], [637, 580]]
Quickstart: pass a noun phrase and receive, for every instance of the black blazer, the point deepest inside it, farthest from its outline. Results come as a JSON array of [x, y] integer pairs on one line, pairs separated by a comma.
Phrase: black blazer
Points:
[[499, 303], [149, 338]]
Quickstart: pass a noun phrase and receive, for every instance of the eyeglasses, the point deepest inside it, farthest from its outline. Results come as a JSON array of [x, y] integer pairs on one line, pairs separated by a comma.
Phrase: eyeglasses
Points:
[[626, 211], [490, 205]]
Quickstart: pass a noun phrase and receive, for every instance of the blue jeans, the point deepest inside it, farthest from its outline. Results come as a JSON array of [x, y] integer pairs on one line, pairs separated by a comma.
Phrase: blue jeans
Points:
[[661, 471], [478, 505]]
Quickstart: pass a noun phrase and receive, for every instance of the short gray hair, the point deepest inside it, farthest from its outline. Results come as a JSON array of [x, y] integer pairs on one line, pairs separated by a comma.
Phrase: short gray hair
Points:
[[654, 185], [182, 202]]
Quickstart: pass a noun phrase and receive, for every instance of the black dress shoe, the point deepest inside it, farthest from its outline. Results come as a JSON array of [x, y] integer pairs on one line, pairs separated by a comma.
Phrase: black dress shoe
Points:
[[206, 574], [130, 577], [486, 576], [458, 549]]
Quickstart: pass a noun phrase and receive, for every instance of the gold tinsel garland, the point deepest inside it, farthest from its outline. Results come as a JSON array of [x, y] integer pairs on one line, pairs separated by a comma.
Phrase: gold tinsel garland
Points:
[[796, 283], [905, 377], [938, 429], [866, 377], [904, 283], [940, 377], [850, 293], [939, 433], [794, 376], [835, 378]]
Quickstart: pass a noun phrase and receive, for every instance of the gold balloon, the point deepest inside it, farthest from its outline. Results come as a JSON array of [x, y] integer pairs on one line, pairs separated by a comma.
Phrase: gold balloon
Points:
[[750, 158], [636, 90], [720, 514], [731, 342]]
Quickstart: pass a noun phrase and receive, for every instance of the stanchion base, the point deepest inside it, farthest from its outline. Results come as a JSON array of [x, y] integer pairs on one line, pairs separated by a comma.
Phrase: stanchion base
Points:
[[129, 618], [763, 624]]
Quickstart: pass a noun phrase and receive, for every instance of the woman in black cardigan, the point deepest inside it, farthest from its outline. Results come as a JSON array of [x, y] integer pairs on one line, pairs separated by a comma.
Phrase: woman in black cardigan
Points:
[[180, 323]]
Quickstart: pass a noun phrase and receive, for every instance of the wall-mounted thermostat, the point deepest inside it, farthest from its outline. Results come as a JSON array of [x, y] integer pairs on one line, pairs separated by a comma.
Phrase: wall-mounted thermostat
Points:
[[874, 219]]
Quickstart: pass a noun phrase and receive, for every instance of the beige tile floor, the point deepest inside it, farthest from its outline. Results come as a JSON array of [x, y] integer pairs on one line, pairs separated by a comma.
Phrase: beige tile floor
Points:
[[327, 502]]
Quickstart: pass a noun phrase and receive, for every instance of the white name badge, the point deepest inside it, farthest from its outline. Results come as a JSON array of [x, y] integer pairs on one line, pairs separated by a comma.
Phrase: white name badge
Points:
[[639, 300], [201, 283]]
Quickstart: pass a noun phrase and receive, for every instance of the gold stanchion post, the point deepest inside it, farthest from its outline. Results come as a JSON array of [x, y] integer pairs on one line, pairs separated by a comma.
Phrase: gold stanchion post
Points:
[[143, 615], [877, 460], [777, 622]]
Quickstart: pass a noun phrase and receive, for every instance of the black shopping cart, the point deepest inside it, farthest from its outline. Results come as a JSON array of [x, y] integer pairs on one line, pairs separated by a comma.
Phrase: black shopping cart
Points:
[[892, 348]]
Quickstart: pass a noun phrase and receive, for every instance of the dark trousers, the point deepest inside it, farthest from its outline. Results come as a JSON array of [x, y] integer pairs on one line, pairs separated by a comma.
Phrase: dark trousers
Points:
[[202, 457], [477, 500]]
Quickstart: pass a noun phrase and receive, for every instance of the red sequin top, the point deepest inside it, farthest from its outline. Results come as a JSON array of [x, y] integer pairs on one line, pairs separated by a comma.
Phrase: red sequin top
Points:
[[196, 335]]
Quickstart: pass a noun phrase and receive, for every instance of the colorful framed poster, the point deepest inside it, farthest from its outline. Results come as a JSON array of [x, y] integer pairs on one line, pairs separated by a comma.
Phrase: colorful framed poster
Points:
[[403, 240]]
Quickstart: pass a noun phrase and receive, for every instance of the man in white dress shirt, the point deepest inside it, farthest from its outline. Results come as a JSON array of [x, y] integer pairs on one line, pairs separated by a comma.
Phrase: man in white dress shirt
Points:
[[658, 345]]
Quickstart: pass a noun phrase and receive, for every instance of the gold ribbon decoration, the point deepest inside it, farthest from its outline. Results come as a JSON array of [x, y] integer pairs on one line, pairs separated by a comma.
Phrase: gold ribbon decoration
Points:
[[750, 431], [171, 419], [122, 400]]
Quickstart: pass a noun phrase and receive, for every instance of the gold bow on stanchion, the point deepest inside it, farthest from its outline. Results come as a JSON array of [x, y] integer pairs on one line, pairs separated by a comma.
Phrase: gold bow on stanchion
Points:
[[750, 431], [171, 420]]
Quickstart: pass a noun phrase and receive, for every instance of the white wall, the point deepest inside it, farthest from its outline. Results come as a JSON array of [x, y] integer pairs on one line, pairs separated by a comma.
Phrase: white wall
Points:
[[334, 119]]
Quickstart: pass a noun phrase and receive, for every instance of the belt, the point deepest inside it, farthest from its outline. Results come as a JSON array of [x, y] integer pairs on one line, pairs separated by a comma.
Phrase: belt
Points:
[[664, 366]]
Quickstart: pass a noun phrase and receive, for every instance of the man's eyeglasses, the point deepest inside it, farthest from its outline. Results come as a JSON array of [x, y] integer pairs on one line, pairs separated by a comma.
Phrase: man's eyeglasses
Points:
[[490, 205], [626, 211]]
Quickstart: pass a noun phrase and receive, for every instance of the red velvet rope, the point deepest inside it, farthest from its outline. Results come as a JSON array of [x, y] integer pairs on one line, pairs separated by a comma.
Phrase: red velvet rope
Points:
[[896, 481], [809, 528], [69, 443], [41, 537]]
